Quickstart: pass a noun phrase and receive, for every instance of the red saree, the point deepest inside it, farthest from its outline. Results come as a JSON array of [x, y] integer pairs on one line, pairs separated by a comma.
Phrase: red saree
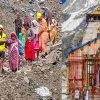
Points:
[[29, 50]]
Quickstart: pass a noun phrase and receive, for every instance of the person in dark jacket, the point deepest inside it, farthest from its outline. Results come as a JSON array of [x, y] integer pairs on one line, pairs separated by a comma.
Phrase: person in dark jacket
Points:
[[18, 25]]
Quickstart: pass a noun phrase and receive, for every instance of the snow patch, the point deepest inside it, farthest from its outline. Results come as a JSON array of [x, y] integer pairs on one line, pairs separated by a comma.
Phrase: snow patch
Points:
[[43, 91], [69, 6], [72, 23], [90, 3]]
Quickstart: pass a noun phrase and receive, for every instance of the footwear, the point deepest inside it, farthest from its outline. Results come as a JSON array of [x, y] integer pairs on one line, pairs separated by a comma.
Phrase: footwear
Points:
[[14, 70], [3, 70]]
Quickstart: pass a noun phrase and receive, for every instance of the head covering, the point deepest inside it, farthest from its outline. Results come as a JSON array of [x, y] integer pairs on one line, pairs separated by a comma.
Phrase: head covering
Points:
[[36, 26], [18, 15], [13, 36], [35, 23], [38, 15], [1, 26]]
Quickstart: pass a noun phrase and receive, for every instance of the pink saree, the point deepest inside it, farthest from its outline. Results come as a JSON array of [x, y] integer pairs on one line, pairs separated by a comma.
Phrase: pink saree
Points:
[[14, 57]]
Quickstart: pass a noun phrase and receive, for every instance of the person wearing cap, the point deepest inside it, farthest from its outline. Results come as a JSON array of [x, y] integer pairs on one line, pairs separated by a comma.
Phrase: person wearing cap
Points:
[[43, 34], [2, 47]]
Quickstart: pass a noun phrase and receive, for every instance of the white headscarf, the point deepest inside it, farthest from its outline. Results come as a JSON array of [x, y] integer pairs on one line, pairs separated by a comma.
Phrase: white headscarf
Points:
[[36, 26]]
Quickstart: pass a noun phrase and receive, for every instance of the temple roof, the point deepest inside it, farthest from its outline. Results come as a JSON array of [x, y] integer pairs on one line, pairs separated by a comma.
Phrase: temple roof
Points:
[[81, 45], [97, 12]]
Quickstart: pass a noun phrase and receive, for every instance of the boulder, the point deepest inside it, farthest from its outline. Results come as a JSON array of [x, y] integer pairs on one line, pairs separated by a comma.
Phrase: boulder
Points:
[[52, 57]]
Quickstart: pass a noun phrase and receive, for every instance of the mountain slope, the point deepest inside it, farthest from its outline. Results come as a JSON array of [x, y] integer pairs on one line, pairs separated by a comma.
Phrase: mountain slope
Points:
[[74, 25], [77, 10]]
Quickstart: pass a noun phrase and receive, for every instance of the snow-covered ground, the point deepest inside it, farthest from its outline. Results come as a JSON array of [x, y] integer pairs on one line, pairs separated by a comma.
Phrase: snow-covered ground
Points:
[[72, 23]]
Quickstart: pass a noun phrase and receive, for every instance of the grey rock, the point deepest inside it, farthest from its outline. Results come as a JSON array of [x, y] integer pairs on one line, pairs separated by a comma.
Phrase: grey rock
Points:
[[26, 79], [52, 57]]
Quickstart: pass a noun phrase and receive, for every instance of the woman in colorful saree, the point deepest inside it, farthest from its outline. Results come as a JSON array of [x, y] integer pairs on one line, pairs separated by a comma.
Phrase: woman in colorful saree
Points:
[[29, 46], [14, 57], [35, 28]]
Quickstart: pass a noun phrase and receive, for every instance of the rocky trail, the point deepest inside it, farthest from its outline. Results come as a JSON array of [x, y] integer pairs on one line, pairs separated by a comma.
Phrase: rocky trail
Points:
[[22, 85], [15, 86]]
